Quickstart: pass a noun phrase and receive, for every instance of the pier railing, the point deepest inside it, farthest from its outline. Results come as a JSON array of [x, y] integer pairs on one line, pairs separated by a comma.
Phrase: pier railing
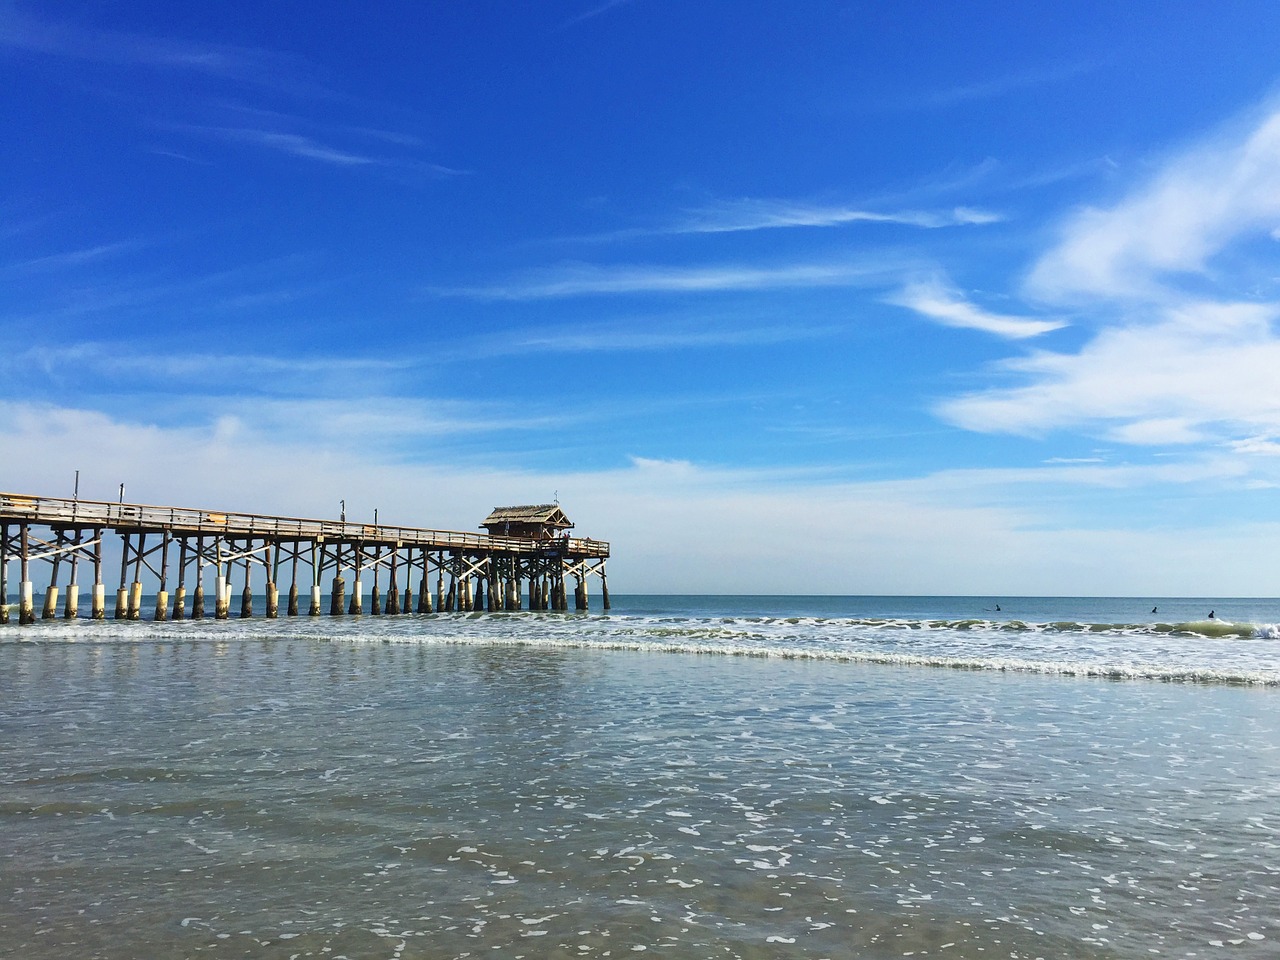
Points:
[[186, 521]]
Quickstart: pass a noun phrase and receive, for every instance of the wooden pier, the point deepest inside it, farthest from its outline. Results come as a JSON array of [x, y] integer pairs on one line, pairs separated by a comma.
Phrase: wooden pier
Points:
[[526, 560]]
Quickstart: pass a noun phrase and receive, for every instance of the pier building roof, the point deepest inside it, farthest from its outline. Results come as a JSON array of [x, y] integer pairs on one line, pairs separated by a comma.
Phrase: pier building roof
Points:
[[535, 521]]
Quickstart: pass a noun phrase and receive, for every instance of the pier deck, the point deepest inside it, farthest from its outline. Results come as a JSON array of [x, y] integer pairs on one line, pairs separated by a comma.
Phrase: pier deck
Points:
[[483, 571]]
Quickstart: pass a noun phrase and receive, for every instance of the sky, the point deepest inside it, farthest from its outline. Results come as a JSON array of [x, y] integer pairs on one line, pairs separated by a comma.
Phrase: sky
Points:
[[826, 297]]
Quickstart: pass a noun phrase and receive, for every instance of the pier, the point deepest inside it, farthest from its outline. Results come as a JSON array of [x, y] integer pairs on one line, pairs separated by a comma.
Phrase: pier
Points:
[[525, 561]]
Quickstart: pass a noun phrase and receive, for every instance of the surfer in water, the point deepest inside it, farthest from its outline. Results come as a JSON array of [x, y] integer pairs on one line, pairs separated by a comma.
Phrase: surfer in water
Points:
[[1153, 609], [1210, 614]]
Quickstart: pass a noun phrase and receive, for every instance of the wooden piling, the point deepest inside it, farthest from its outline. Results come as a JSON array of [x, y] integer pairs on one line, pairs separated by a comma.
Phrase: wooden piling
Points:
[[135, 588], [314, 609], [604, 592], [424, 586], [336, 594], [393, 588], [273, 579], [221, 594], [246, 595], [98, 610], [180, 594], [4, 573], [197, 595], [162, 596], [357, 588], [50, 610], [293, 584], [26, 603], [71, 608], [122, 593]]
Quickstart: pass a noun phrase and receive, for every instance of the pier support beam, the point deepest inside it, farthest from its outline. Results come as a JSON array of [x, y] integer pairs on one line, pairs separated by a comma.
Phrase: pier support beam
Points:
[[180, 594], [50, 611], [314, 609], [424, 587], [26, 604], [337, 593], [71, 610], [273, 578], [197, 596], [99, 608], [135, 588], [4, 573], [221, 596], [162, 596], [246, 595], [393, 588], [122, 593], [135, 600], [293, 585]]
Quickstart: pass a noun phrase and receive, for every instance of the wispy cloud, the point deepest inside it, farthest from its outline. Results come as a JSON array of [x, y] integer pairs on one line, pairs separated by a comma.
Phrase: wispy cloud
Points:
[[591, 13], [310, 148], [73, 258], [1000, 86], [637, 335], [744, 215], [224, 71], [576, 280], [64, 38], [938, 301]]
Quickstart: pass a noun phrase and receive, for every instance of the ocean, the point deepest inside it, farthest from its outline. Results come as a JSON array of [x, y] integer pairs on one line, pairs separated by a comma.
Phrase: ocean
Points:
[[689, 777]]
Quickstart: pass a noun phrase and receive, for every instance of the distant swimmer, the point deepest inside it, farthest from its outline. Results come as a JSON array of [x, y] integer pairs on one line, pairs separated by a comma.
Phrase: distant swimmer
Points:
[[1210, 614], [1153, 609], [997, 608]]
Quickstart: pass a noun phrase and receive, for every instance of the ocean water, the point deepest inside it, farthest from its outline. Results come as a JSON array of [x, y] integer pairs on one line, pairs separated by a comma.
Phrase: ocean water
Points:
[[689, 777]]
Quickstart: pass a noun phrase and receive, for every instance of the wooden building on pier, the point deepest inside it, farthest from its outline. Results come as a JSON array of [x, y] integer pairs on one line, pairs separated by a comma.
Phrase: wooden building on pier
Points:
[[544, 521]]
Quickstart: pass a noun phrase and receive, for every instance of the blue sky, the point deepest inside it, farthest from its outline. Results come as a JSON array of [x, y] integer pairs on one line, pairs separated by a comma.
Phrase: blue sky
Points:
[[822, 297]]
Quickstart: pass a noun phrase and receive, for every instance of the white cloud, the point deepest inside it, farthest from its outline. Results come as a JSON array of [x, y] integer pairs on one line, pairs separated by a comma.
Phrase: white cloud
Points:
[[580, 279], [745, 215], [1257, 446], [674, 526], [1200, 370], [1166, 366], [1194, 206], [937, 301]]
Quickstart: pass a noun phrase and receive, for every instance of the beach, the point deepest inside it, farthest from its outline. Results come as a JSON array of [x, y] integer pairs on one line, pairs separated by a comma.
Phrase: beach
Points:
[[690, 777]]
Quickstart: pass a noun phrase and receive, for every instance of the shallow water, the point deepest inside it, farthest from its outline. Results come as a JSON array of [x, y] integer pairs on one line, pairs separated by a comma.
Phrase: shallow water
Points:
[[425, 787]]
